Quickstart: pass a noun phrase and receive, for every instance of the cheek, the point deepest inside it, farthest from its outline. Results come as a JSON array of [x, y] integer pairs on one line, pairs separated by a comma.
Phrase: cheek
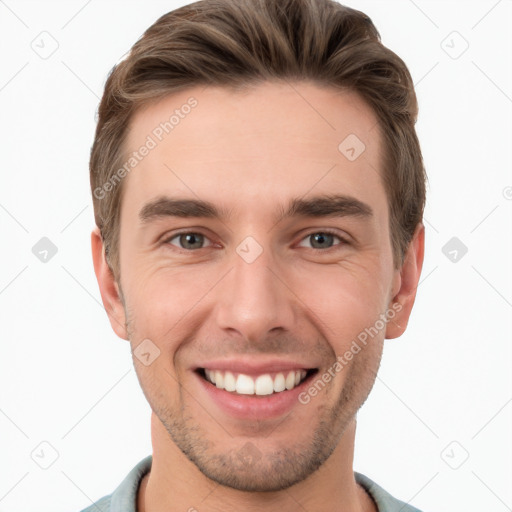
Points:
[[162, 301], [344, 301]]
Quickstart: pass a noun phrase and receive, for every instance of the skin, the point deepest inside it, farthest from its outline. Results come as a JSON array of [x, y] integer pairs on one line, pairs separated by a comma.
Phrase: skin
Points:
[[250, 152]]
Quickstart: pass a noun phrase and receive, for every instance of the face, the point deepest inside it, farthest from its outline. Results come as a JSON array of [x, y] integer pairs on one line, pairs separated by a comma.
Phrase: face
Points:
[[254, 254]]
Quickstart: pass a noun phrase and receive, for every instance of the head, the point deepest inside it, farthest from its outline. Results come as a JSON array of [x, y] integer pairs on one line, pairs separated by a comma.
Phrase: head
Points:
[[258, 190]]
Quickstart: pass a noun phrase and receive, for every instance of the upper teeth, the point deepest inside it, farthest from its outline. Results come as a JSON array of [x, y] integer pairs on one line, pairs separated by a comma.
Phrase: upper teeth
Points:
[[261, 385]]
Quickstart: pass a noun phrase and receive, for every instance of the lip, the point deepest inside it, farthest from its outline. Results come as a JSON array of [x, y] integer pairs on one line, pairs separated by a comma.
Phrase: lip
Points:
[[253, 407], [252, 366]]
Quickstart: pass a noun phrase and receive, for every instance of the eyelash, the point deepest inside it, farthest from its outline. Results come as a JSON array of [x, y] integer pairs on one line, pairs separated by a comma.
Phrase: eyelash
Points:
[[327, 231]]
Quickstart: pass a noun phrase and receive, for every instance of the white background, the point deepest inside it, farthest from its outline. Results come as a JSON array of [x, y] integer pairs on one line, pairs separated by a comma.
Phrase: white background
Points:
[[444, 391]]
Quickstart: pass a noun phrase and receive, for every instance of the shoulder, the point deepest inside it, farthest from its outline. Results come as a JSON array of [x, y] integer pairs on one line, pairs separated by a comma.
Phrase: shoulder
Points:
[[124, 497], [385, 502]]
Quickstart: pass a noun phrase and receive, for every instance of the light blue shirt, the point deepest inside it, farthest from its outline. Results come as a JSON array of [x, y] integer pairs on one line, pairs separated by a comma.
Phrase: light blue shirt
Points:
[[124, 498]]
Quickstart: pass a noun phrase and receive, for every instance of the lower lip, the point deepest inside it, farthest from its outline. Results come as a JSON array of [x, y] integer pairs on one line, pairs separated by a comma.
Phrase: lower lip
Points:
[[254, 407]]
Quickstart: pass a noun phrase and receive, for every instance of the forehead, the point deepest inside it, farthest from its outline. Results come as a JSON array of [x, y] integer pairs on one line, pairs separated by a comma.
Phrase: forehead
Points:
[[259, 145]]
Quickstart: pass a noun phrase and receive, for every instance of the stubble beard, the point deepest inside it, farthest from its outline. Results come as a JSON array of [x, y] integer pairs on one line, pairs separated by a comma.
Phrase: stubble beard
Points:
[[248, 466], [252, 465]]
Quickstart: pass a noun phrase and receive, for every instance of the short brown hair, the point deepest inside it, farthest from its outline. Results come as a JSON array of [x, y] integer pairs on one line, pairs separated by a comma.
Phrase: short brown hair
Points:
[[236, 43]]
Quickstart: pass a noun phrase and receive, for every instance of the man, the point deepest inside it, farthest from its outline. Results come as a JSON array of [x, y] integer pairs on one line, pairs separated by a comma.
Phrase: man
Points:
[[258, 190]]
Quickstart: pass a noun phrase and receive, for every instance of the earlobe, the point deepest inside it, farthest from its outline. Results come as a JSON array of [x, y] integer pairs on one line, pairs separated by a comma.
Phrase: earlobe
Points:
[[109, 289], [408, 279]]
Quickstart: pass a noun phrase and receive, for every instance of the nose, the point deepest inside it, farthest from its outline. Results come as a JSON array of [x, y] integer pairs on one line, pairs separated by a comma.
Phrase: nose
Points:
[[254, 299]]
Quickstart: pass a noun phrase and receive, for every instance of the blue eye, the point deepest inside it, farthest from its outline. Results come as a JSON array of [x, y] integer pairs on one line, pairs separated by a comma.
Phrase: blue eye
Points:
[[188, 241], [192, 241], [322, 239]]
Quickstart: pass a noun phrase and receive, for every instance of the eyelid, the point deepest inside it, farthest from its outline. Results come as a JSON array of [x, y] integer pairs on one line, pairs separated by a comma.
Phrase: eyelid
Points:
[[167, 239], [328, 231]]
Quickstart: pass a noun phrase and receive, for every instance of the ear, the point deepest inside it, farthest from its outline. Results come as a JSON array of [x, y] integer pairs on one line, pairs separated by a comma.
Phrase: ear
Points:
[[406, 279], [109, 289]]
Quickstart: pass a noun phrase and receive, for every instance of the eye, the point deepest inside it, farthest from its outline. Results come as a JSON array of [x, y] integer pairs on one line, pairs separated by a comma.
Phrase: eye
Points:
[[188, 240], [322, 239], [191, 241]]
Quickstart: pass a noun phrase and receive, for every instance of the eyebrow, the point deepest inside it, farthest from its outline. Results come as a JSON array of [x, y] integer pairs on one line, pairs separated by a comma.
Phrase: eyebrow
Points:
[[319, 206]]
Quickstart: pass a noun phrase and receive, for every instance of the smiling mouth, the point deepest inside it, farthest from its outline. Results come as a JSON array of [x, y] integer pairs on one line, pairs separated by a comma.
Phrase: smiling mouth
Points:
[[259, 385]]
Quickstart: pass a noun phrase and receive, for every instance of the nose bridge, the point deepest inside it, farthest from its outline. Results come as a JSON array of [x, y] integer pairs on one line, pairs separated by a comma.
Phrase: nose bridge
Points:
[[252, 300]]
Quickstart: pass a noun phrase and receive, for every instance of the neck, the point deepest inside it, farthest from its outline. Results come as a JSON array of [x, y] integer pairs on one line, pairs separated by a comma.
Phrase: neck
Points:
[[176, 484]]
